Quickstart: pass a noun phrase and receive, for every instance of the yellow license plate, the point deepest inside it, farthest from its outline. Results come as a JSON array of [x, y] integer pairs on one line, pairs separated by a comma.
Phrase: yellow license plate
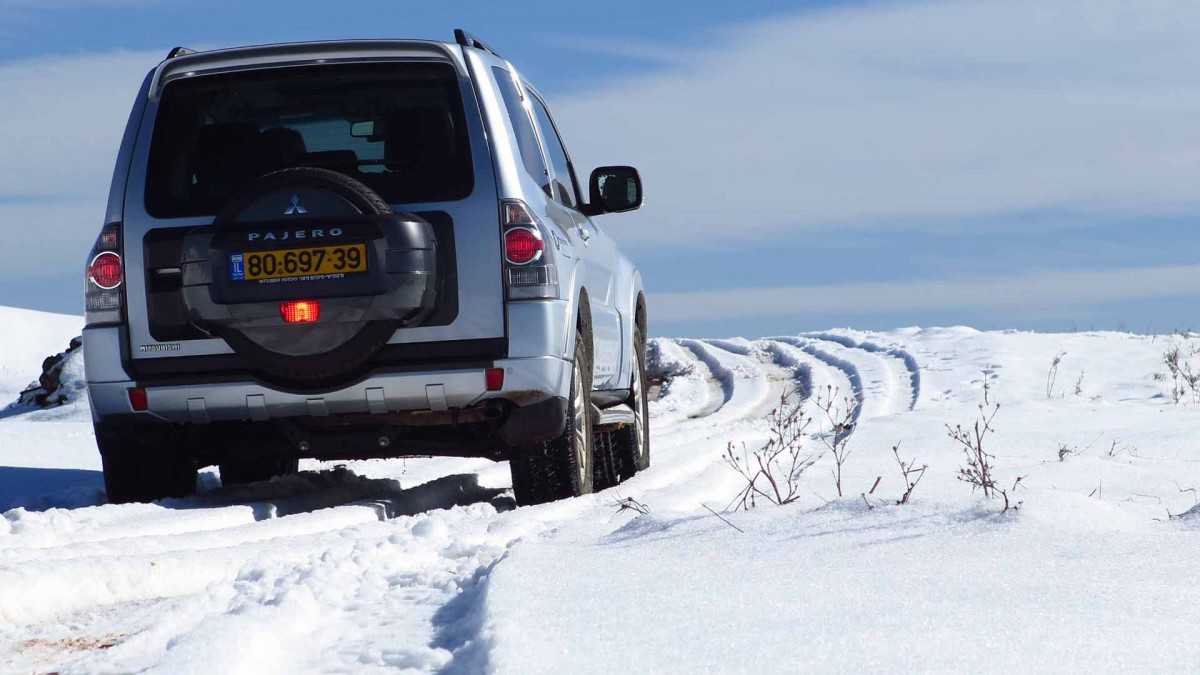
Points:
[[301, 264]]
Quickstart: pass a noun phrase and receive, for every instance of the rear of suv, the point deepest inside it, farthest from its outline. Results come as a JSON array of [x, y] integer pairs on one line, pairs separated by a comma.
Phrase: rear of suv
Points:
[[358, 249]]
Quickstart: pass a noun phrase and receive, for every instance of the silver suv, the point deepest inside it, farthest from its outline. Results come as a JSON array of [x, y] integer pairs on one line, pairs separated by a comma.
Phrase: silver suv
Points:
[[356, 249]]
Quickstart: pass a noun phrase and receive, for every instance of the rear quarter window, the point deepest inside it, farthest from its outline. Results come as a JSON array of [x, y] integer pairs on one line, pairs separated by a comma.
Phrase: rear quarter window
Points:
[[527, 143], [397, 127]]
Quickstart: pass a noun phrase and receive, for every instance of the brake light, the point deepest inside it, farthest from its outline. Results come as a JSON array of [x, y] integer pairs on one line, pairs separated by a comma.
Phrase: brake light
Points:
[[494, 378], [138, 400], [522, 245], [103, 276], [105, 271], [300, 311], [529, 262]]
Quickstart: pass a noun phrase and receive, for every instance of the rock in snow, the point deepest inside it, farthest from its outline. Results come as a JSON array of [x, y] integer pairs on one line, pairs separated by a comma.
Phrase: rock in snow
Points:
[[61, 380]]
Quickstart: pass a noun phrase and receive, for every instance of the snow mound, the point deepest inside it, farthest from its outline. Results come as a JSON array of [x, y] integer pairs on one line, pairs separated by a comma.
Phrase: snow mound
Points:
[[425, 565]]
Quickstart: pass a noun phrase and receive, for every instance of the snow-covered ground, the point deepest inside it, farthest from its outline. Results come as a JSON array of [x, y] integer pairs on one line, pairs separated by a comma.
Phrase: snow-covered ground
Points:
[[424, 565]]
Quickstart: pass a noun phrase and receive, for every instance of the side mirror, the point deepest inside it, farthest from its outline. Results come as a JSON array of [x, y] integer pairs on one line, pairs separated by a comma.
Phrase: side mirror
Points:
[[614, 189]]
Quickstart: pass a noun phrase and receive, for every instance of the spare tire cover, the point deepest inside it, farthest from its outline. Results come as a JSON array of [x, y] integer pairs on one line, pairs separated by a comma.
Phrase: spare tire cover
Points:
[[359, 312]]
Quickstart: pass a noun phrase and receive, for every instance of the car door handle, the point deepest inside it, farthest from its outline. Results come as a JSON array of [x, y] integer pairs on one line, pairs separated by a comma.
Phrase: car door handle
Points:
[[584, 233]]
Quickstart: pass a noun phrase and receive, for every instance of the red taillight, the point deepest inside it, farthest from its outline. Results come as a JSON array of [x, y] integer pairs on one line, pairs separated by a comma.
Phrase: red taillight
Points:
[[522, 245], [138, 400], [494, 378], [300, 311], [105, 271]]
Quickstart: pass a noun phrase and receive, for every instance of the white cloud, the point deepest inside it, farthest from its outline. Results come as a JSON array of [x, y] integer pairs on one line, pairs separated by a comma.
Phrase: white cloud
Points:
[[60, 126], [908, 113], [1025, 294]]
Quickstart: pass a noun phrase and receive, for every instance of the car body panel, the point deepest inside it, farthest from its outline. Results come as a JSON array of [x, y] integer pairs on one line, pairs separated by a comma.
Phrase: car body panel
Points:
[[540, 331]]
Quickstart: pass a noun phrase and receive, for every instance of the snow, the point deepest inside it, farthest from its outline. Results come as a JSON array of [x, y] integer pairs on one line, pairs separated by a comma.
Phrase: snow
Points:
[[424, 565]]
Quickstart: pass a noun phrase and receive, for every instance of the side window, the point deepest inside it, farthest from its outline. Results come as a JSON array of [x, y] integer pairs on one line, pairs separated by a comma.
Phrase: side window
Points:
[[564, 178], [527, 144]]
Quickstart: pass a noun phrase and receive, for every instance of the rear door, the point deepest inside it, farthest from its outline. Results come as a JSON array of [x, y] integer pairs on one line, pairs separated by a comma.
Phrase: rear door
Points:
[[405, 123]]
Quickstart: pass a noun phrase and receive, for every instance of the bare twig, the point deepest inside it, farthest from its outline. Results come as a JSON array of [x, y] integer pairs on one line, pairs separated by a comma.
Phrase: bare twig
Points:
[[978, 471], [1195, 494], [1052, 374], [631, 504], [841, 420], [875, 485], [723, 519], [910, 472], [772, 472]]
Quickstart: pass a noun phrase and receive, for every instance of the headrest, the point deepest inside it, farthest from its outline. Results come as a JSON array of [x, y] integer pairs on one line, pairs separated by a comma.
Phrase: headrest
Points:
[[223, 153], [281, 147]]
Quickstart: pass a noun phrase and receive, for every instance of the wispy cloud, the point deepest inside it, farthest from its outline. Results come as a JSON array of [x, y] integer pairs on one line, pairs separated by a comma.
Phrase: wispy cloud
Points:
[[903, 114], [624, 48], [1029, 293]]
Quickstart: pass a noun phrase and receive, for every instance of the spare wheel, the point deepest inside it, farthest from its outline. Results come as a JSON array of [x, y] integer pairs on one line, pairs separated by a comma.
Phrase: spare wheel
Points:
[[308, 273]]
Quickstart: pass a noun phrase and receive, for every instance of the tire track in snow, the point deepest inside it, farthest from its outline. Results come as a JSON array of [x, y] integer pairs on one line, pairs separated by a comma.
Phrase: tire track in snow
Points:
[[303, 504], [72, 578], [847, 368], [719, 377], [912, 368], [681, 452], [689, 389], [801, 372], [785, 374]]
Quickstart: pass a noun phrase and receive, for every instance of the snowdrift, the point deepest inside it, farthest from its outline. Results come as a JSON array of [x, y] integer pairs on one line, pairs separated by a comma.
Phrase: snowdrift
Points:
[[425, 565]]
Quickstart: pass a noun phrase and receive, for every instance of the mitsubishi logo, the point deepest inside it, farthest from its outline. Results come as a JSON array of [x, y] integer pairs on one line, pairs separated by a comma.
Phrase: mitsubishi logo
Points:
[[294, 209]]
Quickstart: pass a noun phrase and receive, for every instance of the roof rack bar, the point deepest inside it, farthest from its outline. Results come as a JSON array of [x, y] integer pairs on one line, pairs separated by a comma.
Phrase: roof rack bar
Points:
[[180, 51], [466, 39]]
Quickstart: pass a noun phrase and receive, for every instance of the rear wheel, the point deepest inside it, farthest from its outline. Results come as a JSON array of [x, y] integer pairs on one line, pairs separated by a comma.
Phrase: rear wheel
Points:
[[144, 464], [256, 469], [631, 444], [562, 467]]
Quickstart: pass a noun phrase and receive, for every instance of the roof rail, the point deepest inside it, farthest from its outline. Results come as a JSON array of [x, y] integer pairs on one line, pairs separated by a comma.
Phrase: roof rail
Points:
[[180, 51], [465, 39]]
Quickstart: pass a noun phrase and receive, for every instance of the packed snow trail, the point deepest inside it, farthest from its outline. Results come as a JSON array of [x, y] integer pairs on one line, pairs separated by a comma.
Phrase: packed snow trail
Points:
[[425, 565]]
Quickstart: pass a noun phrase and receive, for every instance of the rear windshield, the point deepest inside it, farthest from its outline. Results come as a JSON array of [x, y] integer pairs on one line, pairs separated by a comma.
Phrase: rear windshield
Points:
[[398, 127]]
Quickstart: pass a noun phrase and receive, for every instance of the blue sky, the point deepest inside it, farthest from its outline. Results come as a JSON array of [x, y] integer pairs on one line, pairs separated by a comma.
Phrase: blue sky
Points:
[[1000, 163]]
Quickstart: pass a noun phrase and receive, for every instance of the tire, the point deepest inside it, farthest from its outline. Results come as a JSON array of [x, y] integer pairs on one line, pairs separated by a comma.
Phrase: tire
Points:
[[256, 469], [562, 467], [144, 464], [631, 444]]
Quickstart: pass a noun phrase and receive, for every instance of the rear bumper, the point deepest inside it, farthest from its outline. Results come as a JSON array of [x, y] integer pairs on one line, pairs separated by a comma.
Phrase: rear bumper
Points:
[[537, 382], [486, 430], [526, 381]]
